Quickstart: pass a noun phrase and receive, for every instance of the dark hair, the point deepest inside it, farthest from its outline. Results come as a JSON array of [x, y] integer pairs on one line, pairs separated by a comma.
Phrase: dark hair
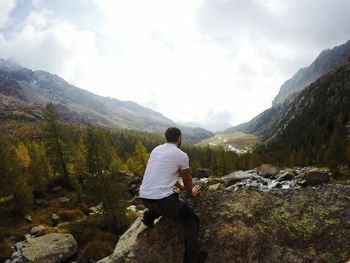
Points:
[[172, 134]]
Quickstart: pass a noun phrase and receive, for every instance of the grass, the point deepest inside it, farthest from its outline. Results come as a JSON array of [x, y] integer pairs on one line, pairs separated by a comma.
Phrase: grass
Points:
[[238, 140]]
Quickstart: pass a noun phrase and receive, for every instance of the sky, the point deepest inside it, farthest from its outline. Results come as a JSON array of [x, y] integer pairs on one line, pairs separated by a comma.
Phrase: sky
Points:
[[207, 63]]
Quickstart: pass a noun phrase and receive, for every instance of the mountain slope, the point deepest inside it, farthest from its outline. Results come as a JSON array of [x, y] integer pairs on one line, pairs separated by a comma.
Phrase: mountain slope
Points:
[[267, 123], [35, 88], [325, 62], [315, 115]]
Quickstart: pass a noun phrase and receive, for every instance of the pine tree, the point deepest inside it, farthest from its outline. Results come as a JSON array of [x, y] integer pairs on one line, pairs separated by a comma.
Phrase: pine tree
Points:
[[336, 150], [104, 182], [57, 144], [138, 161]]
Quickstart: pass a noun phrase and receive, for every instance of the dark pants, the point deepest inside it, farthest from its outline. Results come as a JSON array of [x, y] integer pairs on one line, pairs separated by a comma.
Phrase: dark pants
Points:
[[175, 209]]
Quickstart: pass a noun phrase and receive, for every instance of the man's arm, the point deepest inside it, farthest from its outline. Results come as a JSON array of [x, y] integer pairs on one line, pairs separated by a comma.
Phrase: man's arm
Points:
[[179, 185], [187, 179]]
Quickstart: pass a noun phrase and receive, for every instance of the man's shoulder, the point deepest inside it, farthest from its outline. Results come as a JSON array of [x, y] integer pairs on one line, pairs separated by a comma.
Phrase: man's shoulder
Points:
[[181, 152]]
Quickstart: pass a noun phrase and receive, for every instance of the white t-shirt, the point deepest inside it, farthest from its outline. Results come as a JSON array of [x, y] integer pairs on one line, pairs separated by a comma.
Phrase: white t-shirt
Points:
[[162, 171]]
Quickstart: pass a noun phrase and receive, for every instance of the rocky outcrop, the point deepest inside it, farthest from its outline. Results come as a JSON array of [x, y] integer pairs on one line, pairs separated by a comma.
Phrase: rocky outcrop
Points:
[[247, 225], [50, 248]]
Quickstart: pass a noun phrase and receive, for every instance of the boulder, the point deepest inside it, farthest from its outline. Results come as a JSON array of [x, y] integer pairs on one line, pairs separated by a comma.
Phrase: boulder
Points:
[[267, 170], [50, 248], [203, 173], [235, 177], [287, 175], [316, 176], [38, 230], [240, 226]]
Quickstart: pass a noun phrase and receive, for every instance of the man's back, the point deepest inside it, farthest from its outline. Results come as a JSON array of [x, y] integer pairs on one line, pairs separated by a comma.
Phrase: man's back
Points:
[[162, 171]]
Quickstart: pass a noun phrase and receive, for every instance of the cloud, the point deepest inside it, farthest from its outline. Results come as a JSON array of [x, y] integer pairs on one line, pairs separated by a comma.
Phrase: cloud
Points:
[[214, 63], [6, 7]]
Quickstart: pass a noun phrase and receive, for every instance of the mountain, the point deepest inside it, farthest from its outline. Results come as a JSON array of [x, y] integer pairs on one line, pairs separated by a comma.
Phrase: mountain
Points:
[[267, 123], [325, 62], [317, 121], [30, 90]]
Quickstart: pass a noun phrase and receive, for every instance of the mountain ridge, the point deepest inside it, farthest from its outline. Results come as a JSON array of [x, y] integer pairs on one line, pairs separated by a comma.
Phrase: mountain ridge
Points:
[[268, 122], [41, 87]]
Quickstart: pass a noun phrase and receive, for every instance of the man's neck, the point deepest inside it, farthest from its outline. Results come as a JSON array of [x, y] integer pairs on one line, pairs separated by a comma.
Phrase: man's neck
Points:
[[174, 143]]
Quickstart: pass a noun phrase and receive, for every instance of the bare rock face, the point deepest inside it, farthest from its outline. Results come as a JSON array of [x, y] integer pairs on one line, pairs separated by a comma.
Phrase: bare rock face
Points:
[[50, 248], [248, 225]]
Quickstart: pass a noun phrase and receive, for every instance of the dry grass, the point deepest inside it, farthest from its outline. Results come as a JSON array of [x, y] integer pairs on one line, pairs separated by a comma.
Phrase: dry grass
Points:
[[97, 249], [70, 215], [238, 140]]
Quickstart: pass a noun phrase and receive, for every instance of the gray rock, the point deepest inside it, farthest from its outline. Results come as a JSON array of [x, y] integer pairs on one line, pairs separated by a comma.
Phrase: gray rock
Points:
[[126, 242], [50, 248], [38, 230], [235, 177], [267, 170]]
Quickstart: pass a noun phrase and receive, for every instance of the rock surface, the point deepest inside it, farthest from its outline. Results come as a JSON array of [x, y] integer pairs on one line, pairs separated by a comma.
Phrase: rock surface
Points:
[[248, 225], [50, 248], [317, 176], [236, 177], [267, 170]]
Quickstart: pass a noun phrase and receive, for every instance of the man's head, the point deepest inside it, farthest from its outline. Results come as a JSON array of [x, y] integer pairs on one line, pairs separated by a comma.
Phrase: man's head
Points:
[[173, 135]]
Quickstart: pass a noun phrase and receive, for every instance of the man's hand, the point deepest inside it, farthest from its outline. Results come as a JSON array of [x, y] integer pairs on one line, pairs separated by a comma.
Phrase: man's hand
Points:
[[196, 190]]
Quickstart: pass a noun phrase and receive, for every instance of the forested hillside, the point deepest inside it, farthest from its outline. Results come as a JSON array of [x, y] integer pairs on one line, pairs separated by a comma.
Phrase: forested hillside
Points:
[[314, 128]]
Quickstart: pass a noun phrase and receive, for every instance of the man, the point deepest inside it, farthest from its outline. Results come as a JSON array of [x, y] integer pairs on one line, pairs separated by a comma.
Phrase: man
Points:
[[166, 163]]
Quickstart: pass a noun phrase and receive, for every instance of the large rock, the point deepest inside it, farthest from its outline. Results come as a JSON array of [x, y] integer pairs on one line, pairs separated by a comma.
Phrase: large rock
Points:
[[317, 176], [50, 248], [267, 170], [250, 226], [235, 177]]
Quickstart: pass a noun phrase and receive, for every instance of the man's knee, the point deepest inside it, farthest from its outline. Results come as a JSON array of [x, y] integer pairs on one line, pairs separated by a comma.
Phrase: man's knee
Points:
[[187, 214]]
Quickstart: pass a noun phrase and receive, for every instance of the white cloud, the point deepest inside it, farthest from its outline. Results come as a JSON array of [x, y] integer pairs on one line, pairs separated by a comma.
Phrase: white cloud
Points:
[[201, 61], [6, 7]]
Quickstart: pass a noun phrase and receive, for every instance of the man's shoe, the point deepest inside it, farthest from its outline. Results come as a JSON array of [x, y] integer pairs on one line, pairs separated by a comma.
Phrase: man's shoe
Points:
[[147, 223], [202, 256]]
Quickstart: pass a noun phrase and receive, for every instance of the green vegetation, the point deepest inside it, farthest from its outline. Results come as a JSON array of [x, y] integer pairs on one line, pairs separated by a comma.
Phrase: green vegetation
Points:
[[318, 127]]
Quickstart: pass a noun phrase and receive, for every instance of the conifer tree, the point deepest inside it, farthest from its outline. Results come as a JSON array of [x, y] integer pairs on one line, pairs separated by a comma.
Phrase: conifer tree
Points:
[[57, 144], [104, 182]]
